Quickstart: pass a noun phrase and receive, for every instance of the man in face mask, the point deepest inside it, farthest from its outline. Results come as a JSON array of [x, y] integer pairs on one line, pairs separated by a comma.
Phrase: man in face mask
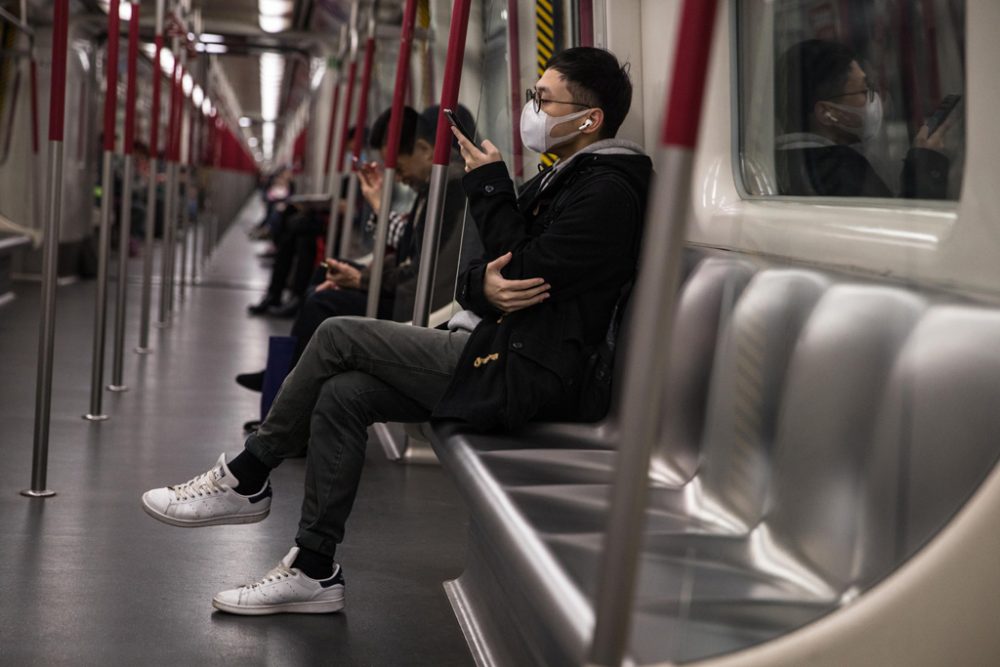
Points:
[[826, 109], [537, 305]]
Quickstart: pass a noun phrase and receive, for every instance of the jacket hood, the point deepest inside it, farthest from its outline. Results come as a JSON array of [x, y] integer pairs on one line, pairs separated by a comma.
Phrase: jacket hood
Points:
[[626, 157]]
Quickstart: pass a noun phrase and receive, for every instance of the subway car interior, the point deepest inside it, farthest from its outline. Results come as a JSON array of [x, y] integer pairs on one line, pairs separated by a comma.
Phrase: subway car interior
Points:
[[627, 332]]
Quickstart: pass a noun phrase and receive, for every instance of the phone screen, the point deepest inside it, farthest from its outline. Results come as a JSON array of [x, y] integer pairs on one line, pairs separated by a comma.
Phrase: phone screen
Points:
[[942, 112]]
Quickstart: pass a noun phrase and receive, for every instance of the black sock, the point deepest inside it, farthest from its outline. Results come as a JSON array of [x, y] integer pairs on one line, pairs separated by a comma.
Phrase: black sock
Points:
[[314, 564], [251, 473]]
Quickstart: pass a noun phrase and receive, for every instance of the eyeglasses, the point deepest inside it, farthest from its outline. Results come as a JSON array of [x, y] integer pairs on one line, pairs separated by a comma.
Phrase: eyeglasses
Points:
[[869, 92], [532, 95]]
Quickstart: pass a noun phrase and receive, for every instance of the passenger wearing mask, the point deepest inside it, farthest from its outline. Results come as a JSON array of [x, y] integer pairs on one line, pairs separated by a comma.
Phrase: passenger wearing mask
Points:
[[537, 304], [826, 109]]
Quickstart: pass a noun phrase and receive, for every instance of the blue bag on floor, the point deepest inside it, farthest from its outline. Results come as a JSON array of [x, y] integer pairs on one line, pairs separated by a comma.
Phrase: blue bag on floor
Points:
[[280, 350]]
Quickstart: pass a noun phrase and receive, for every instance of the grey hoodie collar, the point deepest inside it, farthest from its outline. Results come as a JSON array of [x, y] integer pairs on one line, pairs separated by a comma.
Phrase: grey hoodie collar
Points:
[[602, 147]]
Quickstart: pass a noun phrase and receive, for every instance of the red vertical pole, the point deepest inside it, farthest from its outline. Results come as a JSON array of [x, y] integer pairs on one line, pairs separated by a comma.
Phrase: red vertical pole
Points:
[[452, 78], [646, 360], [352, 73], [586, 22], [130, 94], [366, 81], [391, 154], [47, 322], [333, 123], [111, 77], [514, 55]]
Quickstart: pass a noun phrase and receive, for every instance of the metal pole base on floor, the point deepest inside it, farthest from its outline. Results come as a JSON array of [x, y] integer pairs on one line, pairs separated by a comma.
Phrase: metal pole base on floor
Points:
[[38, 494], [118, 388], [143, 350], [95, 418], [101, 305]]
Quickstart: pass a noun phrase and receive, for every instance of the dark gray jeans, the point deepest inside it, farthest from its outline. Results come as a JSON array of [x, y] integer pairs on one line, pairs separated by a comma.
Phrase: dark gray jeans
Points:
[[354, 372]]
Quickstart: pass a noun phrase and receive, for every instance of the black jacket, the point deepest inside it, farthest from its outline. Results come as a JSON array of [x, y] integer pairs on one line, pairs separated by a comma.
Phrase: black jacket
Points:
[[581, 234], [841, 171]]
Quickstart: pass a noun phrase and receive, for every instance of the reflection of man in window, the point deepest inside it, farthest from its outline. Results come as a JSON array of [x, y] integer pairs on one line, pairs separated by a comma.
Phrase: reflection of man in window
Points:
[[826, 108]]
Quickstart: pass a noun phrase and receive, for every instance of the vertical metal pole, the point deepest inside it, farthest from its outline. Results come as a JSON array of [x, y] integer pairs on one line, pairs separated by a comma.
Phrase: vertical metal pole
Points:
[[646, 353], [514, 65], [341, 149], [166, 256], [107, 202], [151, 189], [391, 155], [47, 322], [359, 137], [183, 217], [442, 156], [125, 231]]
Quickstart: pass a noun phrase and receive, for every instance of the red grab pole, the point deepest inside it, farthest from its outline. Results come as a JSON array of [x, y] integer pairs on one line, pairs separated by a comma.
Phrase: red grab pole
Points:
[[333, 122], [391, 154], [95, 413], [646, 360], [125, 216], [514, 54], [452, 79], [46, 325], [366, 82], [442, 156]]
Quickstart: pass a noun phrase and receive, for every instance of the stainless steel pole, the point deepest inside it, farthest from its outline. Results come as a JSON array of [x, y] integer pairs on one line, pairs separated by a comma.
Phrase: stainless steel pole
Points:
[[118, 350], [104, 236], [344, 116], [359, 134], [47, 322], [118, 358], [649, 340], [169, 198], [151, 188], [381, 234], [429, 245]]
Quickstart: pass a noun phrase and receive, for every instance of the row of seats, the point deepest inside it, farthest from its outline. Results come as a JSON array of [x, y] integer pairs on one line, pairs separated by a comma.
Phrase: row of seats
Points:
[[817, 431]]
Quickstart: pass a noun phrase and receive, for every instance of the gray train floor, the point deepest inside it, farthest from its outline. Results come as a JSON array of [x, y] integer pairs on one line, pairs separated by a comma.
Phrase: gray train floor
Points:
[[86, 578]]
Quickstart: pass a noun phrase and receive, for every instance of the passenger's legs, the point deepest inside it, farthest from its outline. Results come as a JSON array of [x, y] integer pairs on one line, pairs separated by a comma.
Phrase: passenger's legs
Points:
[[348, 404], [320, 306]]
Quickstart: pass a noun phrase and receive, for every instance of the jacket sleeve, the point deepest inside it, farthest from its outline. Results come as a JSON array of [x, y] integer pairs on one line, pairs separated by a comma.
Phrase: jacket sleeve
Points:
[[578, 251]]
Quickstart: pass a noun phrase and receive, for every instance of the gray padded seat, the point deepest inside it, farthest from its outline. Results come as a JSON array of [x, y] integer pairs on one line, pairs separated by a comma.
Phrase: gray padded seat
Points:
[[938, 435], [727, 495], [556, 457], [798, 562]]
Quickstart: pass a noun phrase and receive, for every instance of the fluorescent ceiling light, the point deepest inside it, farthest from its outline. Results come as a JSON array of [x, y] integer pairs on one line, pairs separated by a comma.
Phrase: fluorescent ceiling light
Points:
[[275, 7], [206, 107], [253, 142], [274, 23], [197, 96], [210, 38], [214, 48], [188, 84], [245, 121], [272, 71]]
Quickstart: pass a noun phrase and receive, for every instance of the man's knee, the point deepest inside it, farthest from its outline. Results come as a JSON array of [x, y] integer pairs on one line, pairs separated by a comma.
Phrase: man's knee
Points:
[[343, 395], [339, 330]]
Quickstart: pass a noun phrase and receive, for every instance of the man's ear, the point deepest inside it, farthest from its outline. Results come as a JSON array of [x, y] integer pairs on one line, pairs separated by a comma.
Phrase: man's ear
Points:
[[423, 147], [592, 122]]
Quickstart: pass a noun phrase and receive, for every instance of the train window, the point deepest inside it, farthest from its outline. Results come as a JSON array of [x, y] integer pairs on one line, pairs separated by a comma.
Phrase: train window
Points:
[[851, 98]]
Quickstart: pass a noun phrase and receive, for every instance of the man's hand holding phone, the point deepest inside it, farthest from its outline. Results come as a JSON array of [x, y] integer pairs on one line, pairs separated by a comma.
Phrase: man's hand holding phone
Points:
[[509, 296], [341, 275]]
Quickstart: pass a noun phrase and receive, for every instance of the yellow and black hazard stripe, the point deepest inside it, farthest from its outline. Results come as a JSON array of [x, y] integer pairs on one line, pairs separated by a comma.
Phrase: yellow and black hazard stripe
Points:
[[548, 41]]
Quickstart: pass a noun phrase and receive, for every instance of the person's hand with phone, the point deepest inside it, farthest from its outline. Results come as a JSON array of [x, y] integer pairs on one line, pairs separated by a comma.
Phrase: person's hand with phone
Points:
[[933, 134], [473, 155], [341, 275], [509, 296], [371, 179]]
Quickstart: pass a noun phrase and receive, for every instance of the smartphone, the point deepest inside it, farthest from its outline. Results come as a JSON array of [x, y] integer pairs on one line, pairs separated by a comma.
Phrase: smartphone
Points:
[[453, 121], [942, 112]]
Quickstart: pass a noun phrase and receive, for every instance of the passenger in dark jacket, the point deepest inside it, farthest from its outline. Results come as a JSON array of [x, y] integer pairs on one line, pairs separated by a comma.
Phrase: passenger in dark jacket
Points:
[[826, 108], [556, 261]]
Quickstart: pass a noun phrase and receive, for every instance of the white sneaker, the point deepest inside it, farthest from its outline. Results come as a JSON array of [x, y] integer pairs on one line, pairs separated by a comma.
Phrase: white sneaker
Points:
[[285, 589], [207, 500]]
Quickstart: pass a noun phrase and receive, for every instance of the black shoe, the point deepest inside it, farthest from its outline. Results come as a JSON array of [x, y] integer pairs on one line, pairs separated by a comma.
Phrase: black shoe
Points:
[[288, 310], [262, 307], [251, 381], [250, 427]]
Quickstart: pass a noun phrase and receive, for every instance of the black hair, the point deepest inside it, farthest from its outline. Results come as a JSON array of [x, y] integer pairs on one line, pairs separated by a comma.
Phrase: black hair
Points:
[[809, 72], [594, 77], [414, 127]]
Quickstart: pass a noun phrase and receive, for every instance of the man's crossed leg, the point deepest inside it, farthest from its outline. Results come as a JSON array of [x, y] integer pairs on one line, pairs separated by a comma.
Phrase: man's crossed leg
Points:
[[353, 373]]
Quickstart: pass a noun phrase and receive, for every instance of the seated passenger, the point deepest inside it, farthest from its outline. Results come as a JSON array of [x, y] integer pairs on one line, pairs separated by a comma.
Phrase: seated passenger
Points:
[[345, 289], [560, 254], [826, 108]]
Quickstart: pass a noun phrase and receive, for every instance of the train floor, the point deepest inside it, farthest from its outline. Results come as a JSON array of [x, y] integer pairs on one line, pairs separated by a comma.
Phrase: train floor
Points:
[[87, 578]]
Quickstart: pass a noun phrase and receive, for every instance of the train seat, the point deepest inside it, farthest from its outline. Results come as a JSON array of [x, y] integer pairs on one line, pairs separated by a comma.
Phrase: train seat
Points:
[[8, 244]]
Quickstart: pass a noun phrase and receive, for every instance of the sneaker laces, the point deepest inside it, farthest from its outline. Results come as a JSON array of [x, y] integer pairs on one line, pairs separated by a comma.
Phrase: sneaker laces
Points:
[[202, 485], [280, 571]]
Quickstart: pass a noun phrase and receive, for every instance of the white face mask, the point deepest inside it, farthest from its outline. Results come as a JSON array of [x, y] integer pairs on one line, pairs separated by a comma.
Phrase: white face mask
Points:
[[536, 128], [870, 117]]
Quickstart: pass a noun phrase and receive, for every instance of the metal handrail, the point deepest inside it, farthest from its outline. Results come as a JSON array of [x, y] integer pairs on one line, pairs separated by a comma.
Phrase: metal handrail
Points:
[[647, 360]]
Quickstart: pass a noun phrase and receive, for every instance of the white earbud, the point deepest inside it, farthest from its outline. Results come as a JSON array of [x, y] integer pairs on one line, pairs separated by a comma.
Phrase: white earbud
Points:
[[831, 116], [587, 123]]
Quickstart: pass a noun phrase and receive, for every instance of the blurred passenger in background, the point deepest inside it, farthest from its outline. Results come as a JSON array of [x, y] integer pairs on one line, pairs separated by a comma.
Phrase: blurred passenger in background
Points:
[[826, 109]]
